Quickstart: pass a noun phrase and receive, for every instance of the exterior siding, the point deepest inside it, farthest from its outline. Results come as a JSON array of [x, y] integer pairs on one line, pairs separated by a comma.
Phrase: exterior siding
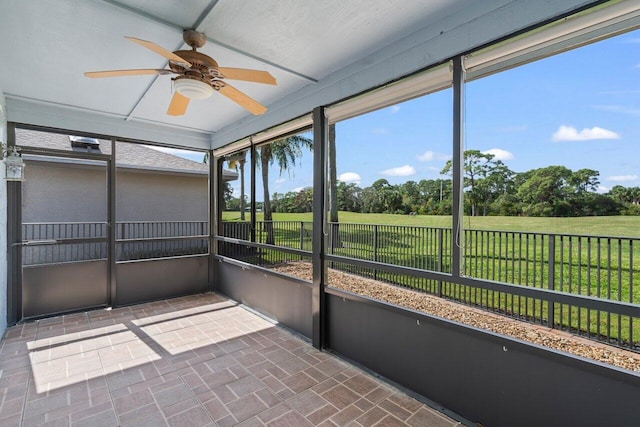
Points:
[[63, 192]]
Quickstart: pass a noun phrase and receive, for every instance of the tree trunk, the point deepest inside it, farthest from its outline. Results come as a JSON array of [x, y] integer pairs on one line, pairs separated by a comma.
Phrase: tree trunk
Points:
[[266, 204], [242, 204], [333, 190]]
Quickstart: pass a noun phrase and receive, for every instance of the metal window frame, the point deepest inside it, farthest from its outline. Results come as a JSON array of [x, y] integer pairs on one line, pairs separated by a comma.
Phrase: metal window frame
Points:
[[14, 210], [570, 32], [432, 80]]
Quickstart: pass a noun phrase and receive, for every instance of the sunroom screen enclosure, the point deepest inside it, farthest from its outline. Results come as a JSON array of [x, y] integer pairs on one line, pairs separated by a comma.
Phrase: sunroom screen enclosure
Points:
[[107, 224], [486, 377], [388, 337]]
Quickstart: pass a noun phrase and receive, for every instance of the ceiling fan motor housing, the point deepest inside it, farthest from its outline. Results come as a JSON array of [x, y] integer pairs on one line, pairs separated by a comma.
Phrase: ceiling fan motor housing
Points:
[[193, 87], [195, 82]]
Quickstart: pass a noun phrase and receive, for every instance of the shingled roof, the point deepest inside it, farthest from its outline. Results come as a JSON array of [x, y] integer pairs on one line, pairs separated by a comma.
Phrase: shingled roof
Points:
[[134, 156]]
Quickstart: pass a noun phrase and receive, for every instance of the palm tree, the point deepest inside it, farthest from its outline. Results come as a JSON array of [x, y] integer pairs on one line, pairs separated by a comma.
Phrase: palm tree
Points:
[[239, 161], [283, 152]]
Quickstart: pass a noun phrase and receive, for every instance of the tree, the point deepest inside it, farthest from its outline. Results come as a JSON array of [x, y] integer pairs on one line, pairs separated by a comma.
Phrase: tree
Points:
[[484, 177], [283, 152], [237, 162], [228, 193], [411, 199], [349, 197], [381, 197], [584, 180], [545, 192], [333, 189], [627, 198]]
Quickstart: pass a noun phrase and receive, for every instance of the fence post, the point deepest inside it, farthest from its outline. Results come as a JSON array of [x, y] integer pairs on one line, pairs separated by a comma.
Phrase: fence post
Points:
[[551, 258], [301, 238], [440, 259], [375, 249]]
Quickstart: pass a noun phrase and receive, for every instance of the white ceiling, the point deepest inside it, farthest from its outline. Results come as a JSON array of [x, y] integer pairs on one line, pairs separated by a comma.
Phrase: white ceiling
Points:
[[319, 52]]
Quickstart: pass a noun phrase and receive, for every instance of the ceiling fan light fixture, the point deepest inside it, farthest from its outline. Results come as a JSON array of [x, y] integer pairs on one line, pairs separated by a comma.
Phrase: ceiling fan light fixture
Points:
[[193, 89]]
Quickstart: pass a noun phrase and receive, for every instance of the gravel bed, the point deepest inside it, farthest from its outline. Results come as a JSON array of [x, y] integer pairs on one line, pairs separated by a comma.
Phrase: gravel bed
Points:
[[551, 338]]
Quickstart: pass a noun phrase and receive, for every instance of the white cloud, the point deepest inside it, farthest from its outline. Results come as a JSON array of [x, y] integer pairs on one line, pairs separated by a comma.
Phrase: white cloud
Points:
[[280, 180], [499, 154], [380, 131], [298, 189], [394, 109], [568, 133], [622, 178], [429, 155], [405, 170], [350, 177], [601, 189]]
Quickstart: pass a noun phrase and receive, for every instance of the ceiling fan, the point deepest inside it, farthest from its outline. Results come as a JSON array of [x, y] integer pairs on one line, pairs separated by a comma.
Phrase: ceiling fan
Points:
[[198, 75]]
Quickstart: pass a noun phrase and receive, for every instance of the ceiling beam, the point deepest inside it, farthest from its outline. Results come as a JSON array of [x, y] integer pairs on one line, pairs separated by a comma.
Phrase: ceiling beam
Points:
[[204, 15], [60, 116]]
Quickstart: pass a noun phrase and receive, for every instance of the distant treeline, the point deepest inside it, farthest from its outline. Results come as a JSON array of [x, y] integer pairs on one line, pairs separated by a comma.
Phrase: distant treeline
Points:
[[491, 188]]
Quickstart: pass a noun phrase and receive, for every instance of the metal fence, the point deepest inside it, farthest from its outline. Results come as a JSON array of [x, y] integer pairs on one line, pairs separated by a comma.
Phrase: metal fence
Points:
[[160, 239], [596, 266], [50, 243], [288, 234]]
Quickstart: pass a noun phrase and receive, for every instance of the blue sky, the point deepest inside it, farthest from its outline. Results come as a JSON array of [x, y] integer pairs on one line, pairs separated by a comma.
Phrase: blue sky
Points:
[[580, 109]]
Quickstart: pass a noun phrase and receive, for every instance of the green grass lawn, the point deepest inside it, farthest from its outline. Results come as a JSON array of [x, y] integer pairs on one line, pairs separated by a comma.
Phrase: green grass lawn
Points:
[[615, 226]]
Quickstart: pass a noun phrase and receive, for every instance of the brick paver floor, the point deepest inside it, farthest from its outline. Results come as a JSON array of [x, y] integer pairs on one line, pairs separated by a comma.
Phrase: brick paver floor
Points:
[[192, 361]]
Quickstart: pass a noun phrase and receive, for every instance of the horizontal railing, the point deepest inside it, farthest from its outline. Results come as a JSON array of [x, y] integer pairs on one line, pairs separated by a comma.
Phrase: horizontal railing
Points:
[[288, 234], [160, 239], [602, 267], [73, 242]]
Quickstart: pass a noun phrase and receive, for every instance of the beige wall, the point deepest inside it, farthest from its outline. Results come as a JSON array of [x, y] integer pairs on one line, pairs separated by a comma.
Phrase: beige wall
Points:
[[71, 193], [155, 197], [63, 193]]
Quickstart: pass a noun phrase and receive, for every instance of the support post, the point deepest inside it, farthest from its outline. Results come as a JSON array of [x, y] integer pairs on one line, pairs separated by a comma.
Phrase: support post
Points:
[[112, 226], [14, 240], [457, 236], [318, 307], [215, 216]]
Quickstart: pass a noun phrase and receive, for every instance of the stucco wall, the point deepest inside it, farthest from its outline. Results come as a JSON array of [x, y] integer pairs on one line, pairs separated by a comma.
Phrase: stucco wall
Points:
[[70, 193], [3, 223], [63, 193], [154, 197]]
